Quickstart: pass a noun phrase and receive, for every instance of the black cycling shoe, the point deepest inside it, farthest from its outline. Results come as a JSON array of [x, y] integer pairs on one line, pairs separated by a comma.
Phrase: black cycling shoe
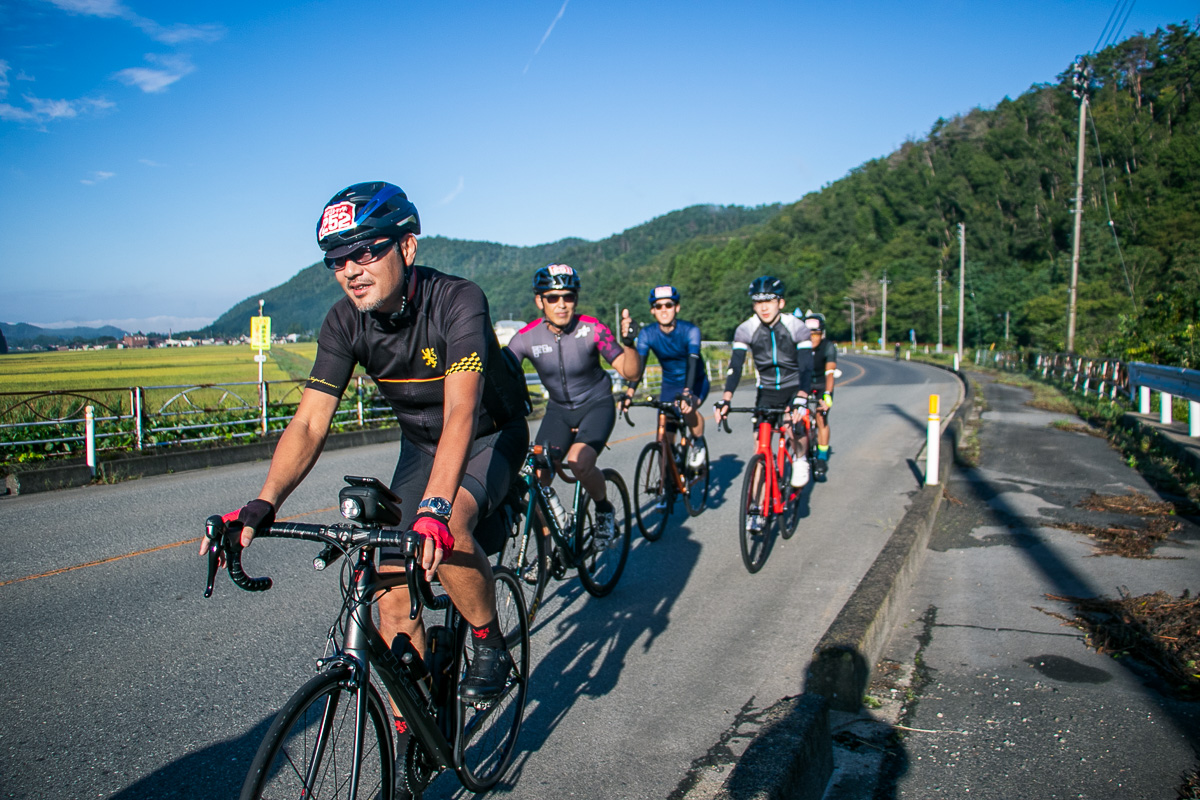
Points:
[[487, 676], [820, 467]]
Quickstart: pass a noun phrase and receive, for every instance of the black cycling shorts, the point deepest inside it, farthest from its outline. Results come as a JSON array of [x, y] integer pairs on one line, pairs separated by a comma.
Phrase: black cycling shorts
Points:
[[775, 398], [594, 420], [493, 465]]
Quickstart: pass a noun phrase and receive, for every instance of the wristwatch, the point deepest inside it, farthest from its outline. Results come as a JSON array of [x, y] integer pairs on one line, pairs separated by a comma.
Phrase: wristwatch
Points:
[[438, 506]]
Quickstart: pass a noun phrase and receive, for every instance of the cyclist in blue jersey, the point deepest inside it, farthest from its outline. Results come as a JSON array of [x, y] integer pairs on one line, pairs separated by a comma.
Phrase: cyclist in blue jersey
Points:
[[676, 343], [781, 346]]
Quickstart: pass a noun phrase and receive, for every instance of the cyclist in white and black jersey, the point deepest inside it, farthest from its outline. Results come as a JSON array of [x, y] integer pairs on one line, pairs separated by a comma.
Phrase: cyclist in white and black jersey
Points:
[[782, 350], [565, 348], [824, 373]]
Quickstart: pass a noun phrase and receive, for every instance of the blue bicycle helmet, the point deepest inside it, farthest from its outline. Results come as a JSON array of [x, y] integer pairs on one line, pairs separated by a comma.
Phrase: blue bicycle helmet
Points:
[[664, 293], [365, 212], [555, 277], [765, 288]]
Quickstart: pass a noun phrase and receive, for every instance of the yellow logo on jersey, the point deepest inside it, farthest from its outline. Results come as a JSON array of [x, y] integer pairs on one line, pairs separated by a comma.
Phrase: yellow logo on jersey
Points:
[[430, 357]]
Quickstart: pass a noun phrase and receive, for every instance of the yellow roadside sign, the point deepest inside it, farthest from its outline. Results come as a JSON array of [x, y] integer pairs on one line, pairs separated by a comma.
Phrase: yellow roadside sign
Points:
[[260, 333]]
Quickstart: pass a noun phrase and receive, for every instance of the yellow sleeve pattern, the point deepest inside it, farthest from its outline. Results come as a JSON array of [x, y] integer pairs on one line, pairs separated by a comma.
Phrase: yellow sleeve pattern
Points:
[[471, 363]]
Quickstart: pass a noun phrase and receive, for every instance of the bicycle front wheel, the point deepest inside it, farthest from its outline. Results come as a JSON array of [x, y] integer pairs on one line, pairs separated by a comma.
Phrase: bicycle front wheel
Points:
[[650, 496], [791, 506], [525, 554], [697, 483], [600, 567], [486, 738], [309, 749], [755, 521]]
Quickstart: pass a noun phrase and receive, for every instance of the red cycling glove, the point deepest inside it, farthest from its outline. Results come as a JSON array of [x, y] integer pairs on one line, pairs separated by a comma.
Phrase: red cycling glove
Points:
[[432, 526]]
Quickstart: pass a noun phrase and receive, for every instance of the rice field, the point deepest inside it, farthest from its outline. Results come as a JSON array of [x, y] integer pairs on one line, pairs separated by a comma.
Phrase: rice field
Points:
[[175, 366]]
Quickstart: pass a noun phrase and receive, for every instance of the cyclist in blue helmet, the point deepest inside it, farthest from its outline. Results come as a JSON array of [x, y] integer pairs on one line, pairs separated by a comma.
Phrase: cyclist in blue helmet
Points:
[[676, 343], [426, 338]]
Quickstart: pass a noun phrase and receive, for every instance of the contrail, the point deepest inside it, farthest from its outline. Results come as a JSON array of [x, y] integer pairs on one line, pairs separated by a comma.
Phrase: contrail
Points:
[[546, 36]]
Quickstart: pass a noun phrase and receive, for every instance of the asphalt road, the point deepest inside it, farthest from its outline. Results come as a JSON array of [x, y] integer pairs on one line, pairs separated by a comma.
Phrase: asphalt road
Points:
[[120, 680]]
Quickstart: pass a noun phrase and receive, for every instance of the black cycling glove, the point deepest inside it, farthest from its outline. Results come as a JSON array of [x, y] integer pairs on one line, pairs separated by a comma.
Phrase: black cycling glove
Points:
[[255, 515], [630, 339]]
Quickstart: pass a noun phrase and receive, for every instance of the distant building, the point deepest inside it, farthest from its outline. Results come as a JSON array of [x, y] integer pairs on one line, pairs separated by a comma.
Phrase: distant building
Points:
[[135, 340], [506, 329]]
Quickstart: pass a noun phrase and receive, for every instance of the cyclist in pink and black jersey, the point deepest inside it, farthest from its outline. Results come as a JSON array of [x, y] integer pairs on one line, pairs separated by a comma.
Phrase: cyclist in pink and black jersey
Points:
[[565, 348]]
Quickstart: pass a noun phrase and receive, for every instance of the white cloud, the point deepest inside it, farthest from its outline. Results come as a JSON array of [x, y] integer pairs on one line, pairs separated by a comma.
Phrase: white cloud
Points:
[[150, 163], [167, 34], [154, 80], [546, 35], [448, 199], [96, 177]]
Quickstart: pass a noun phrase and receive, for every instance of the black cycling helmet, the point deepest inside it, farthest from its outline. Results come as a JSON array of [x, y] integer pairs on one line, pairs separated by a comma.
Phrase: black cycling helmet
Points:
[[765, 288], [365, 212], [815, 321], [664, 293], [555, 276]]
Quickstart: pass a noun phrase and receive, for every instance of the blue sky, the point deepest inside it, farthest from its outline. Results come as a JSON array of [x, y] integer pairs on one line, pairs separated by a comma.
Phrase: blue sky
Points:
[[167, 159]]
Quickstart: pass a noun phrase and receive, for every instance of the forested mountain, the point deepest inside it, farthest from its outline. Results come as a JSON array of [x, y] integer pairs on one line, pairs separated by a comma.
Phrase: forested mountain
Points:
[[1007, 174], [616, 269], [23, 334]]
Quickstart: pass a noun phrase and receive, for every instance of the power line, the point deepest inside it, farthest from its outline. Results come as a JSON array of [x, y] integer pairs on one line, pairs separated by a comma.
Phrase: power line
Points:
[[1118, 31], [1111, 14], [1107, 210]]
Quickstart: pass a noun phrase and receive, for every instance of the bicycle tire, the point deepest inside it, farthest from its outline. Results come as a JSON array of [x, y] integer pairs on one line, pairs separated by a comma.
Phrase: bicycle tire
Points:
[[599, 570], [790, 517], [485, 740], [528, 562], [697, 478], [755, 545], [309, 749], [649, 491]]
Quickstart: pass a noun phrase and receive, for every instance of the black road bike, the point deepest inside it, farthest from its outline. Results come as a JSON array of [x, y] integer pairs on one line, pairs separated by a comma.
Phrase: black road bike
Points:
[[542, 547], [664, 472], [333, 738]]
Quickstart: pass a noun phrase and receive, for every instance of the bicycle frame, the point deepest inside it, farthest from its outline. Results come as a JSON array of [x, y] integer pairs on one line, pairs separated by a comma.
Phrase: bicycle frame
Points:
[[766, 431], [671, 475], [563, 540]]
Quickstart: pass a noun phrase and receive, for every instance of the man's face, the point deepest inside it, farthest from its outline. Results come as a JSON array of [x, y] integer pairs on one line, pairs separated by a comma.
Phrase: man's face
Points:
[[378, 286], [664, 312], [558, 305], [816, 336], [769, 310]]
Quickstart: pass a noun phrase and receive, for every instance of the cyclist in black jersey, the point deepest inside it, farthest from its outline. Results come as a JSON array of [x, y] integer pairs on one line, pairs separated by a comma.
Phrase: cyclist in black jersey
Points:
[[565, 348], [824, 373], [426, 338], [782, 350]]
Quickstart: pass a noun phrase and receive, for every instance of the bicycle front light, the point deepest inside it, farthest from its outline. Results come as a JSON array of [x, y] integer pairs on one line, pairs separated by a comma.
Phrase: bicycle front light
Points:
[[351, 508]]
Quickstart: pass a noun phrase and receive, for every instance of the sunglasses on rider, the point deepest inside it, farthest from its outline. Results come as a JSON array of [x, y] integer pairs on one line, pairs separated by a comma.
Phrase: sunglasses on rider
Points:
[[554, 299], [665, 304], [361, 255]]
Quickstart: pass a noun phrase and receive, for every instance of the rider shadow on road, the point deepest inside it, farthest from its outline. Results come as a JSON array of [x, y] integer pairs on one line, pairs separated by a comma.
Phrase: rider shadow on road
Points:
[[585, 646], [723, 474]]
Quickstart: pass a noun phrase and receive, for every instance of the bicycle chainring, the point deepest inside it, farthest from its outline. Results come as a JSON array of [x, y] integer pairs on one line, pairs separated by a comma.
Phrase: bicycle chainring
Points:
[[419, 768]]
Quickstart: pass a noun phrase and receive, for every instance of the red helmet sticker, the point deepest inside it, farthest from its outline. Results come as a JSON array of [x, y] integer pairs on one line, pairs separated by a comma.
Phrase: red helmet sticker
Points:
[[663, 291], [560, 269], [337, 217]]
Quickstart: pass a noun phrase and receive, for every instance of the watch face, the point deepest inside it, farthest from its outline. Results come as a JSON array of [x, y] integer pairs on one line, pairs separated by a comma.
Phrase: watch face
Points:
[[437, 505]]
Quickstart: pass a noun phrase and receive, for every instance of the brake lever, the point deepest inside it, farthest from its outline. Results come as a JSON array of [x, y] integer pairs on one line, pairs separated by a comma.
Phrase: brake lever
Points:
[[412, 544], [214, 529]]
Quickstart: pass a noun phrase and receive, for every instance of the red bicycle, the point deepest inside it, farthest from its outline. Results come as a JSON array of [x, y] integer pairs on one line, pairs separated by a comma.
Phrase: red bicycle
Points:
[[769, 501]]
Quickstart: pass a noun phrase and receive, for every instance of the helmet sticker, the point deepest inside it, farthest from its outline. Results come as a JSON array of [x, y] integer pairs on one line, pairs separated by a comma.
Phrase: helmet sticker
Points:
[[337, 217], [560, 269], [661, 292]]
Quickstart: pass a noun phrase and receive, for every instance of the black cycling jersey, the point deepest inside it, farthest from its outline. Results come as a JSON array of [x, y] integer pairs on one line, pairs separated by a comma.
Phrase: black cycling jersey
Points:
[[568, 362], [824, 353], [782, 353], [445, 328]]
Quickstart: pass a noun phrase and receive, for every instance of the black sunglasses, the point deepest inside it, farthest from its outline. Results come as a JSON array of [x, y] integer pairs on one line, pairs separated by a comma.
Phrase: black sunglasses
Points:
[[660, 306], [555, 299], [363, 255]]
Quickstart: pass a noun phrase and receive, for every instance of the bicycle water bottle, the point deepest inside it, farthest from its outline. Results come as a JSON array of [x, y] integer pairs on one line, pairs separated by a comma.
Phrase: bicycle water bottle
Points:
[[561, 515]]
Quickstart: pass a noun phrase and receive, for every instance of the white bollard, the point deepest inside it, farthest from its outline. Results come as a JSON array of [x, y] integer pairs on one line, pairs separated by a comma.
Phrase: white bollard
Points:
[[89, 437], [907, 354], [933, 441], [1144, 399], [1193, 418], [1164, 409], [956, 362]]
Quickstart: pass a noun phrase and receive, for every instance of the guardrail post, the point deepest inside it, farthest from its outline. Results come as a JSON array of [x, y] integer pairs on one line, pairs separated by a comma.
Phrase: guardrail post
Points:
[[1193, 418], [264, 395], [137, 416], [1164, 409], [360, 398], [933, 434], [1143, 399], [956, 362], [89, 436]]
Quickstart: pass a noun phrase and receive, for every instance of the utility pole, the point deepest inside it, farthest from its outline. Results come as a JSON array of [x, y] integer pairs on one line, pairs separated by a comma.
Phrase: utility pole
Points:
[[853, 338], [939, 281], [883, 340], [1080, 91], [962, 283], [1006, 328]]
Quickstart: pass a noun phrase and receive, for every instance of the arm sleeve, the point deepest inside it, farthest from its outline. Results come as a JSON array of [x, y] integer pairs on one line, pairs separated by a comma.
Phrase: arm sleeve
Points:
[[804, 362], [606, 343], [335, 361], [734, 375], [693, 367]]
